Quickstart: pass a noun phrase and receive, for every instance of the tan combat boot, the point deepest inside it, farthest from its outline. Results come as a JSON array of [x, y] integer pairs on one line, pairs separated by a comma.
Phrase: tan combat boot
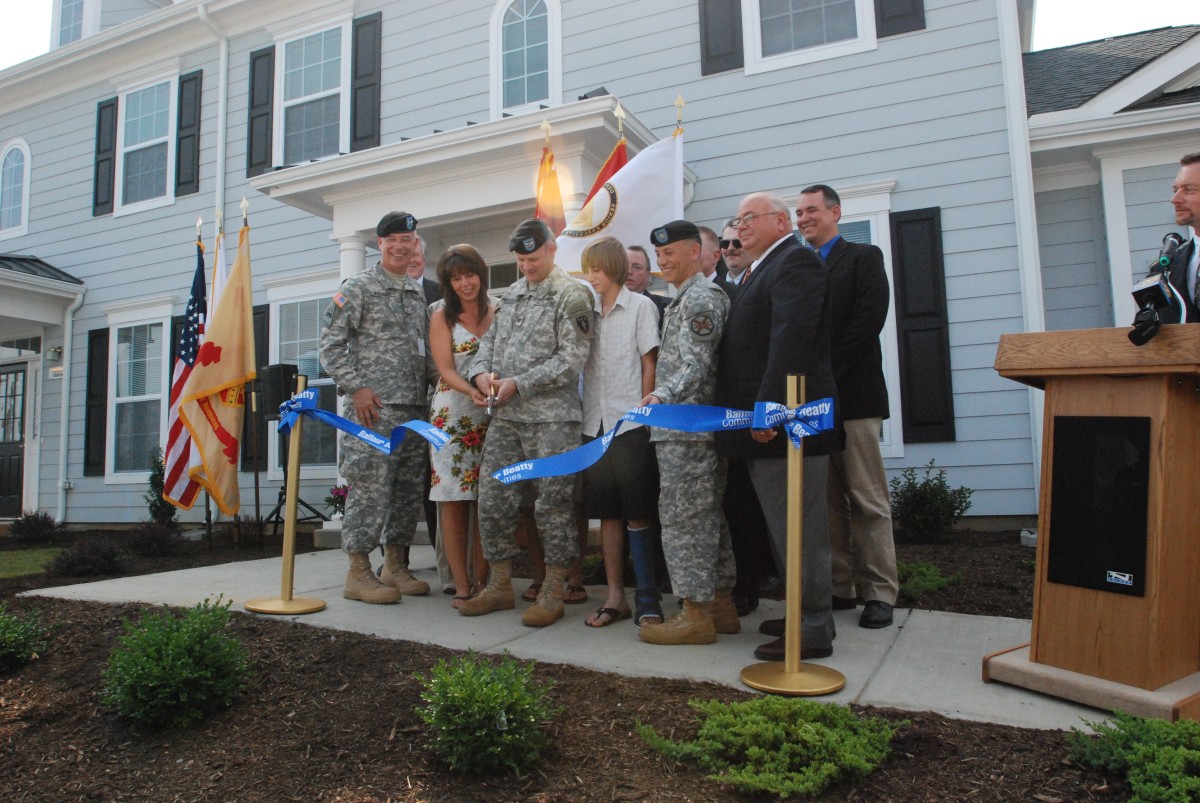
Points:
[[549, 606], [692, 625], [497, 595], [396, 574], [363, 585], [724, 613]]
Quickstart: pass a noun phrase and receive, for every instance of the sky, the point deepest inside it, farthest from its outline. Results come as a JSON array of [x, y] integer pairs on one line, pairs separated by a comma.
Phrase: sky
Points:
[[25, 32]]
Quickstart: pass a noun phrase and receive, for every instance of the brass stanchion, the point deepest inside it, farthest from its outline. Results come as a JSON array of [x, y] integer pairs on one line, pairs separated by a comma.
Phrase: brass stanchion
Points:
[[285, 603], [790, 676]]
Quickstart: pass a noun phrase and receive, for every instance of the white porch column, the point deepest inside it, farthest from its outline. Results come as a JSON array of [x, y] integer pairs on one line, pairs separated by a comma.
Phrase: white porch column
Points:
[[352, 257]]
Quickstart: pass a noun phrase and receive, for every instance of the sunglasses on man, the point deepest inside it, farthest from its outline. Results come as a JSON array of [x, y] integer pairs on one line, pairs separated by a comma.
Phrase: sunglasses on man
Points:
[[725, 244]]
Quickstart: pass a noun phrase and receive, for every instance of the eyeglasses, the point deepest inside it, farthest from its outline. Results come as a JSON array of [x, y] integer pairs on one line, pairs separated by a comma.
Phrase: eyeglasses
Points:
[[726, 243], [750, 217]]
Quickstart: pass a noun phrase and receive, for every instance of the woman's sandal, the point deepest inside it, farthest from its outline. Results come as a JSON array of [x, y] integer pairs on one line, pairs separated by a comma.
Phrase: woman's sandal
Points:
[[648, 607], [613, 614], [575, 595], [531, 593]]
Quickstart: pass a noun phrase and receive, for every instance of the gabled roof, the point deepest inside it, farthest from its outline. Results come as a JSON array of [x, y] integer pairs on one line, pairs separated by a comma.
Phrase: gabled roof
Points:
[[33, 266], [1068, 77]]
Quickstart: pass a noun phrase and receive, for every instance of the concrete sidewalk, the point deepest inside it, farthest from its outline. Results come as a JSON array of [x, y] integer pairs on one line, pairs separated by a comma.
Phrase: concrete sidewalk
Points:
[[927, 660]]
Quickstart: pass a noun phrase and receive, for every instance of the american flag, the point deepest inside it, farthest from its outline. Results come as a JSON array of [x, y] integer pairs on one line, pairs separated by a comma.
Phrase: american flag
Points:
[[178, 487]]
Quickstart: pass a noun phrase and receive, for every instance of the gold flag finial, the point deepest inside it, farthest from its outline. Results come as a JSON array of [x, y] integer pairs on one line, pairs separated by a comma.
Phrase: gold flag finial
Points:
[[245, 211], [220, 220], [679, 104], [199, 227], [545, 126], [620, 115]]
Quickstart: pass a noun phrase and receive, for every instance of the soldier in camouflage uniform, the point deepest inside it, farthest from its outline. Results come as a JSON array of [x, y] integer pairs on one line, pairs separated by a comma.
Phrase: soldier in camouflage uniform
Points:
[[692, 478], [375, 345], [529, 362]]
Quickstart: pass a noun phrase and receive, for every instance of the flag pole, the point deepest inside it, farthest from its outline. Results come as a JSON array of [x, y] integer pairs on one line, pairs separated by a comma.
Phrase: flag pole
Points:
[[285, 602], [791, 676]]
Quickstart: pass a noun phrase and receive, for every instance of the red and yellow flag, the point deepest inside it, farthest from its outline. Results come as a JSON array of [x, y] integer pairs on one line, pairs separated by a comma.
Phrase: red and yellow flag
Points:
[[213, 400], [549, 198], [615, 161]]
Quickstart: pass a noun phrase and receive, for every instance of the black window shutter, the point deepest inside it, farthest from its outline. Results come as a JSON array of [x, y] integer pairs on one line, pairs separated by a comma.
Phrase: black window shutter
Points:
[[254, 438], [926, 391], [95, 419], [260, 119], [187, 134], [105, 175], [898, 16], [365, 80], [720, 36]]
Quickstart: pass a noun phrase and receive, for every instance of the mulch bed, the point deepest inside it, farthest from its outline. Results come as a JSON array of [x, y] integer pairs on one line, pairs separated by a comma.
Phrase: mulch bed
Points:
[[330, 717]]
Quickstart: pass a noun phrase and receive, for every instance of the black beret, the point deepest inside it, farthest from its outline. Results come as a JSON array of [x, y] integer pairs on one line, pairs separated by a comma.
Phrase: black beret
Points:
[[529, 236], [673, 232], [395, 223]]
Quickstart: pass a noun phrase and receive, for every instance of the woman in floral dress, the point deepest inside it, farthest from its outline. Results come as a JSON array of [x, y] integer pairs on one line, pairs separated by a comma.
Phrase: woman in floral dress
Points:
[[454, 332]]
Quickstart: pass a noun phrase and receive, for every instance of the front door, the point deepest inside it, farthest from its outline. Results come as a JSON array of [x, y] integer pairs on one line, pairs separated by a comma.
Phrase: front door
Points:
[[12, 440]]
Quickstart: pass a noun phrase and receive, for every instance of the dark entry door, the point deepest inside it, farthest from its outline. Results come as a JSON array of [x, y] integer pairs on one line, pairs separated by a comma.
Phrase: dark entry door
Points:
[[12, 439]]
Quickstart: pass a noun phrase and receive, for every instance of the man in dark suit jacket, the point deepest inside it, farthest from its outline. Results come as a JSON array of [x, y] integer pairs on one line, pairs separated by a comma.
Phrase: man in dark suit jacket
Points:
[[416, 269], [779, 325], [860, 514], [1186, 200], [639, 278]]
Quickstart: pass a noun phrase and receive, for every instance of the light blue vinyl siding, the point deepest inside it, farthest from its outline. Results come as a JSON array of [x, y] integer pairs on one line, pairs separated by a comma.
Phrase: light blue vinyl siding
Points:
[[1073, 248]]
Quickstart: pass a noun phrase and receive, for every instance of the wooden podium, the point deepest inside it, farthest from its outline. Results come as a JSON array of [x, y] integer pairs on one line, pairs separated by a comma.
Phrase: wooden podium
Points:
[[1132, 640]]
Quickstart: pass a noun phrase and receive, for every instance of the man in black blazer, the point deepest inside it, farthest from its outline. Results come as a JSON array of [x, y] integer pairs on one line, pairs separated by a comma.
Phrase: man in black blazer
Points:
[[778, 325], [639, 278], [416, 269], [860, 514], [1186, 200]]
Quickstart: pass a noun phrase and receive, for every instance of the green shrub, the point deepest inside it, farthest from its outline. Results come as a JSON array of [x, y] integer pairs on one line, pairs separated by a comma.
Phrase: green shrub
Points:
[[170, 670], [35, 527], [87, 558], [779, 745], [486, 716], [161, 511], [927, 508], [918, 578], [20, 639], [152, 539], [1161, 760]]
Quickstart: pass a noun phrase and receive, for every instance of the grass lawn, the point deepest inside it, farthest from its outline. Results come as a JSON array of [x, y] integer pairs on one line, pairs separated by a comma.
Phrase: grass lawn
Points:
[[18, 562]]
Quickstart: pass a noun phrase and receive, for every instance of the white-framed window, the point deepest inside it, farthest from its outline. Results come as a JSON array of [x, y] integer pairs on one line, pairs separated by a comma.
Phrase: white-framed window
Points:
[[138, 354], [526, 55], [72, 20], [312, 73], [145, 169], [784, 33], [865, 219], [14, 188]]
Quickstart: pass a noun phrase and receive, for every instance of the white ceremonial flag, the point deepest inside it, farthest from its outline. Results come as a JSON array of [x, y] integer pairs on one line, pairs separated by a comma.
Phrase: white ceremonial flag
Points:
[[644, 194]]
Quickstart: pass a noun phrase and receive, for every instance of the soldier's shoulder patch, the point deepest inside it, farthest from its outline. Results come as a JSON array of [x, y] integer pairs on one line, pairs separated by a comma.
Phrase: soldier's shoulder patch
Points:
[[340, 299], [578, 310], [703, 324]]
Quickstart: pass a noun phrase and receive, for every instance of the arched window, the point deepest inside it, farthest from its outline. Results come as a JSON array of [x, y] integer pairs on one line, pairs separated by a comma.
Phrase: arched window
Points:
[[14, 189], [526, 55]]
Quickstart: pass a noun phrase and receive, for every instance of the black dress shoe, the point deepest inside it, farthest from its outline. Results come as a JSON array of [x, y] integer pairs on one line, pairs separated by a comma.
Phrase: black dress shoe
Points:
[[876, 614], [771, 627], [745, 604], [844, 603], [774, 651]]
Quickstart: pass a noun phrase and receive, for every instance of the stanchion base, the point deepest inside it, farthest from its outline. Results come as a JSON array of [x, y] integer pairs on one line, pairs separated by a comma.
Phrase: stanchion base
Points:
[[280, 605], [811, 681]]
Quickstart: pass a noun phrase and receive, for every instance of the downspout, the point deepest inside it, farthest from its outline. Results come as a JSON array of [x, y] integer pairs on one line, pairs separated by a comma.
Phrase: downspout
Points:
[[64, 421], [222, 109]]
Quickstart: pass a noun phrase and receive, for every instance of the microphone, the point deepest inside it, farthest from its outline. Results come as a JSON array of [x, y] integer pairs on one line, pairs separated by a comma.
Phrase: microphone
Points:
[[1170, 244]]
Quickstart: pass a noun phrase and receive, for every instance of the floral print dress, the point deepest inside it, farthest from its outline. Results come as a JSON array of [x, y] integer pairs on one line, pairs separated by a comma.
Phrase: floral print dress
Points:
[[455, 476]]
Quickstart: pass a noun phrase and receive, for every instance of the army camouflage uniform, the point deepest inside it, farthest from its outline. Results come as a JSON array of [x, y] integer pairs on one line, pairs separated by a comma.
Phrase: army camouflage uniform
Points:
[[376, 336], [540, 337], [695, 534]]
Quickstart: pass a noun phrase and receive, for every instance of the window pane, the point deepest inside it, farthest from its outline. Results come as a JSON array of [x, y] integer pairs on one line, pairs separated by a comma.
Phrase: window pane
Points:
[[312, 65], [320, 443], [145, 174], [136, 435], [299, 336], [799, 24], [537, 87], [70, 27], [12, 188], [146, 114], [514, 92], [311, 130]]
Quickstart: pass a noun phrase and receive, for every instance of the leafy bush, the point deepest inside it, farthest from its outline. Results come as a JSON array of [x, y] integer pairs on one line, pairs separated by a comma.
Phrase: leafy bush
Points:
[[86, 558], [918, 578], [161, 511], [170, 670], [35, 527], [780, 745], [927, 508], [486, 716], [152, 539], [1160, 759], [20, 639]]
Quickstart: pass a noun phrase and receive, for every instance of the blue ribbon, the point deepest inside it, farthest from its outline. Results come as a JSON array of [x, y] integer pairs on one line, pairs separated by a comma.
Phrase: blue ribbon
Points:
[[798, 423], [305, 403]]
